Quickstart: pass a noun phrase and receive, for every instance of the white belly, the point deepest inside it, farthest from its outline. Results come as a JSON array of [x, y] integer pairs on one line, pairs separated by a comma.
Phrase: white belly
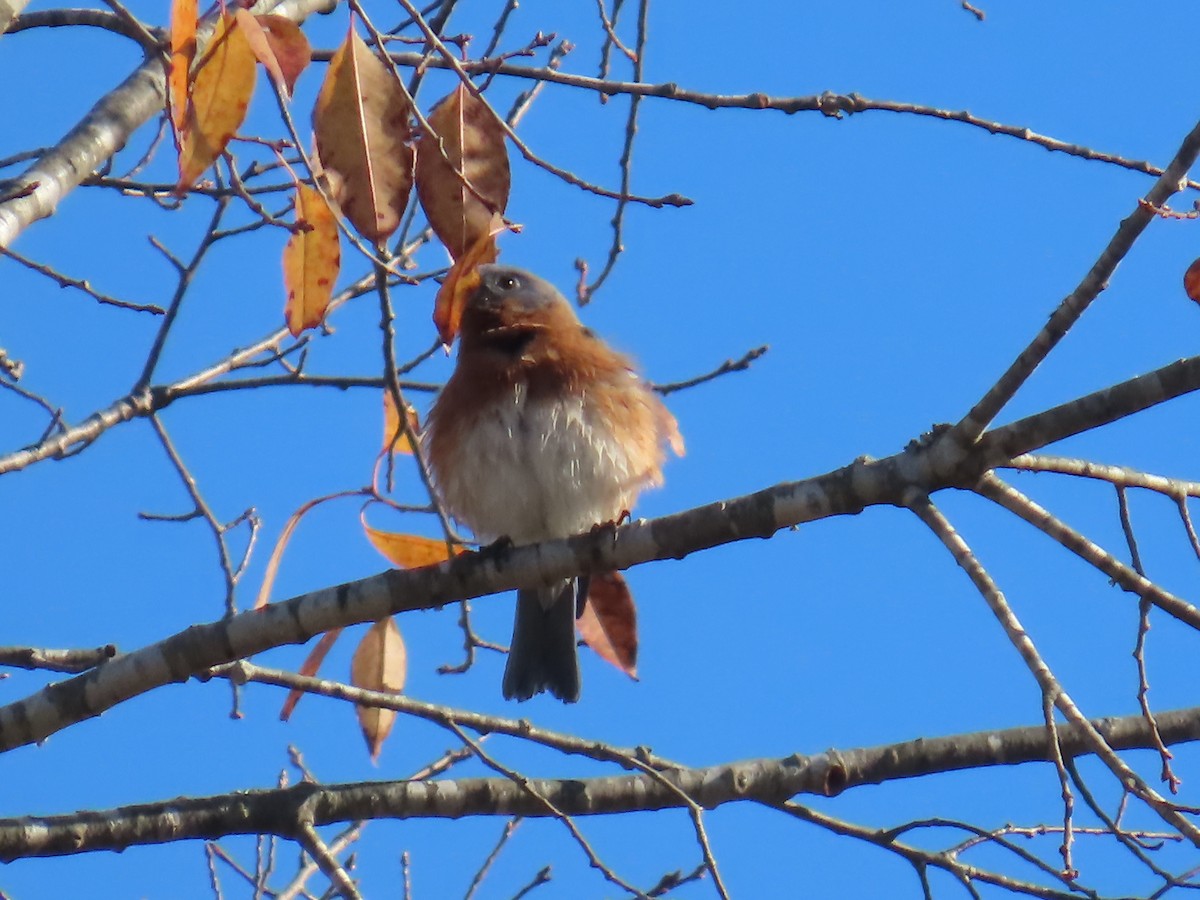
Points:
[[538, 470]]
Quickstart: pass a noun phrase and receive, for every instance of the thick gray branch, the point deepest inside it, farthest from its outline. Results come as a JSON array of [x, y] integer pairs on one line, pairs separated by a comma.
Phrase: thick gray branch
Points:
[[286, 811], [845, 491], [37, 192], [9, 10]]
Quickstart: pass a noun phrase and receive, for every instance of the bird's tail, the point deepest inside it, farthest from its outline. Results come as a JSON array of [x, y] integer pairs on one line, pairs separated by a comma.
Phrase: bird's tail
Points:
[[542, 656]]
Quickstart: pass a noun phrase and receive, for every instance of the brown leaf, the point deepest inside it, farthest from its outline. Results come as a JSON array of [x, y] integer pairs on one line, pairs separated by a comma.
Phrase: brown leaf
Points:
[[361, 123], [311, 261], [462, 279], [183, 51], [380, 664], [394, 439], [310, 668], [407, 551], [461, 188], [609, 622], [220, 96], [280, 46], [1191, 281]]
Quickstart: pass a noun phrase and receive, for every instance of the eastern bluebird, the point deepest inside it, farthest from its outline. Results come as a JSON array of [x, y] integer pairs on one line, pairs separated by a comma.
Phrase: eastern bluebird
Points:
[[543, 431]]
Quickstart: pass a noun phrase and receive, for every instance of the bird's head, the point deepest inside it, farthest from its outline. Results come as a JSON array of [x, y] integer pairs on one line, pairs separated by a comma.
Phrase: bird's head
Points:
[[509, 307]]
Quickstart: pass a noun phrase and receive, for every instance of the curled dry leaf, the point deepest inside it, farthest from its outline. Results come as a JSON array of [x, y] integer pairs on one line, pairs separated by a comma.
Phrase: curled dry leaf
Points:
[[279, 44], [311, 261], [394, 439], [609, 622], [183, 51], [1191, 281], [380, 664], [220, 97], [465, 180], [462, 279], [362, 130], [407, 551], [310, 668]]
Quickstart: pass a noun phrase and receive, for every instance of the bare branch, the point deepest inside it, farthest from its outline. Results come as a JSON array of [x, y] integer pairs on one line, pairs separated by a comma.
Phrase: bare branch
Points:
[[34, 658], [1049, 684], [770, 781], [36, 193], [1173, 179]]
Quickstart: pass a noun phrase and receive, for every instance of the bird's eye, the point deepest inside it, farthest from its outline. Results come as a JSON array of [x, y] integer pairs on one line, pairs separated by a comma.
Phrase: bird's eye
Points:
[[506, 283]]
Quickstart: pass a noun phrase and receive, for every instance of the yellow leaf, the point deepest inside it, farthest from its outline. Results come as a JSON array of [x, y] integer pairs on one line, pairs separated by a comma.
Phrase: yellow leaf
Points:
[[407, 551], [393, 438], [220, 96], [380, 664], [183, 51], [361, 124], [464, 181], [311, 261]]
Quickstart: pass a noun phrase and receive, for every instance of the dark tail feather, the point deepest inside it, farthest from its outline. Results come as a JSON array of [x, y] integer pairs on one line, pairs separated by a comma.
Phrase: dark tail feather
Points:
[[542, 656]]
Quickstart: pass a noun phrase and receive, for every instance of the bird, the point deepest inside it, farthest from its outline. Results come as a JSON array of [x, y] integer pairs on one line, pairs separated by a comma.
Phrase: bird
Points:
[[542, 431]]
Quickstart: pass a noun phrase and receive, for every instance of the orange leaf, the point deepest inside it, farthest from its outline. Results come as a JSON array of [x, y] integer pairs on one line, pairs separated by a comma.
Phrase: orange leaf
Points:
[[461, 281], [394, 439], [183, 51], [311, 665], [361, 123], [380, 664], [311, 261], [407, 551], [264, 592], [279, 44], [464, 181], [220, 96], [609, 622], [1191, 281]]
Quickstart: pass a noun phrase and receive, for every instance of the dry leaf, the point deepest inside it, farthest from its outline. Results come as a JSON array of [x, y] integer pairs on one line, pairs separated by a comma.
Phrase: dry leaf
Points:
[[279, 44], [310, 668], [264, 592], [183, 51], [394, 439], [1191, 281], [311, 261], [220, 96], [380, 664], [407, 551], [461, 281], [609, 622], [462, 183], [361, 123]]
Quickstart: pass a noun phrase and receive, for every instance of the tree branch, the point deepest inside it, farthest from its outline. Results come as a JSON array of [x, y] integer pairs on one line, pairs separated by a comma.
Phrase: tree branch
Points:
[[36, 193], [771, 781], [844, 491]]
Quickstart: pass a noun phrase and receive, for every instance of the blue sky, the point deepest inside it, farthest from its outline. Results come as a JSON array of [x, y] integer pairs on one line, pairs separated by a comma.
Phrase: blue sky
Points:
[[895, 264]]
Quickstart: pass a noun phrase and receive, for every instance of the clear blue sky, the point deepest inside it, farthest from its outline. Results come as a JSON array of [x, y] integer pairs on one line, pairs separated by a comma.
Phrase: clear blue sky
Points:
[[895, 264]]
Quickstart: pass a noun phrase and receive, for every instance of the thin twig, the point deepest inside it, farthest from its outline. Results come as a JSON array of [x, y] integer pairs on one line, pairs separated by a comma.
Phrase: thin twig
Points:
[[521, 781], [330, 866], [509, 827], [587, 291], [972, 425], [1049, 684], [1139, 649], [83, 284], [730, 365]]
